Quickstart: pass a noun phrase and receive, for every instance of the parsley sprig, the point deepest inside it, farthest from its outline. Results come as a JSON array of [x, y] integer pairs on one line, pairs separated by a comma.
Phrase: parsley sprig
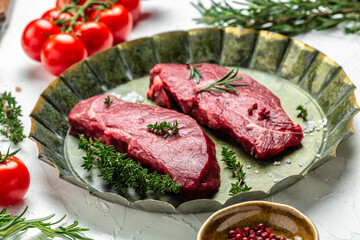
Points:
[[230, 159], [164, 128], [194, 72], [303, 112], [10, 125], [224, 84], [11, 225], [122, 172]]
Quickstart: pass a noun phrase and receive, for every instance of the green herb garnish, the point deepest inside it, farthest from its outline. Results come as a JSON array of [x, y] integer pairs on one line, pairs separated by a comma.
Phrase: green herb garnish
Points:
[[195, 73], [11, 225], [122, 172], [224, 84], [10, 125], [230, 159], [289, 17], [108, 101], [303, 112], [164, 128]]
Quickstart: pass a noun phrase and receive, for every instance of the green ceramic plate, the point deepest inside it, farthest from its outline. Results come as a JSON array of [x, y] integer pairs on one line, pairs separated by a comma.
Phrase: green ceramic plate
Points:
[[295, 72]]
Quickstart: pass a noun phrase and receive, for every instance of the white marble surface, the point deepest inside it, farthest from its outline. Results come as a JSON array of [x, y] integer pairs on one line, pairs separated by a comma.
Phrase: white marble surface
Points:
[[330, 195]]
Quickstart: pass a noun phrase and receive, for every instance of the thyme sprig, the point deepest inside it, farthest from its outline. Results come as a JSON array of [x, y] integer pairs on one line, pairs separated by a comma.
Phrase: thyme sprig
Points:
[[122, 172], [10, 125], [194, 72], [11, 225], [303, 112], [289, 17], [224, 84], [164, 128], [230, 159]]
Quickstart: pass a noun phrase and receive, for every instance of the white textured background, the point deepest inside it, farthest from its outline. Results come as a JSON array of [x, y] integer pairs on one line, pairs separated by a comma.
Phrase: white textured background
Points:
[[330, 195]]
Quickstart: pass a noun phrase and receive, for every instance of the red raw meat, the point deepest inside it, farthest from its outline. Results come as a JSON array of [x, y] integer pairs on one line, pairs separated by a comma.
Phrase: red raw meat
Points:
[[254, 118], [187, 156]]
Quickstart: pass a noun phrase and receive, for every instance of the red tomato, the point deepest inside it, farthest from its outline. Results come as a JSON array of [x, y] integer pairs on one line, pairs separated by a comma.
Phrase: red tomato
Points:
[[95, 35], [133, 6], [61, 51], [118, 19], [61, 3], [35, 34], [14, 181], [54, 14]]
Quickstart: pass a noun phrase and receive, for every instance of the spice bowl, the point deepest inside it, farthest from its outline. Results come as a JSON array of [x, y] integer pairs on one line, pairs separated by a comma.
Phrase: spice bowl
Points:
[[282, 220]]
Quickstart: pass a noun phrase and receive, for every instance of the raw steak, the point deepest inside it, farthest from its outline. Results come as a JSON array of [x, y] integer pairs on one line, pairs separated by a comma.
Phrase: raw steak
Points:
[[254, 117], [188, 156]]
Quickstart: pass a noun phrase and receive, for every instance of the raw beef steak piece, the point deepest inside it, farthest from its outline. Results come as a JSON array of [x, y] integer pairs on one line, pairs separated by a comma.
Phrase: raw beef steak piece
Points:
[[254, 117], [187, 156]]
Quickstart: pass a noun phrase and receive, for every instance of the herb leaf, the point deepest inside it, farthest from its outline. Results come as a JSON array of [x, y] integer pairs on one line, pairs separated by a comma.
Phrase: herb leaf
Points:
[[164, 128], [230, 159], [10, 125], [11, 225], [122, 172], [108, 101], [287, 17], [303, 112], [224, 84], [195, 73]]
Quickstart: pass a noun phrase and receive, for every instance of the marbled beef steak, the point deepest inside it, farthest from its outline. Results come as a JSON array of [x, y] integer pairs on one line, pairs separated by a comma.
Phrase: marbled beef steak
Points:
[[188, 156], [254, 117]]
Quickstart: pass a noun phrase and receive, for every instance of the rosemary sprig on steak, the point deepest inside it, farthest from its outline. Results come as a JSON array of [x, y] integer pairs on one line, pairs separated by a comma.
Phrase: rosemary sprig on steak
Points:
[[108, 101], [230, 159], [11, 225], [164, 128], [122, 172], [224, 84], [194, 73], [303, 112], [10, 125], [287, 17]]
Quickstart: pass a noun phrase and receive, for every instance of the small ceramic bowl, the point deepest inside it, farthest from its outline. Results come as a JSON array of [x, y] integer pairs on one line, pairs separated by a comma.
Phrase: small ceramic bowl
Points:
[[283, 219]]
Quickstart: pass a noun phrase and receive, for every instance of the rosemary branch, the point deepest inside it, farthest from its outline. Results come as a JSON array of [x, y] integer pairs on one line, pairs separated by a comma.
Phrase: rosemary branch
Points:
[[288, 17], [230, 159], [224, 84], [123, 173], [194, 72], [11, 225]]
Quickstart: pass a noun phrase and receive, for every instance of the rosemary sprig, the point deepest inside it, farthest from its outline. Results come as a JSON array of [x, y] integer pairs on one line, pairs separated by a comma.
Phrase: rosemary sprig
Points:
[[289, 17], [123, 173], [10, 125], [230, 159], [108, 101], [194, 72], [11, 225], [303, 112], [225, 84], [164, 128]]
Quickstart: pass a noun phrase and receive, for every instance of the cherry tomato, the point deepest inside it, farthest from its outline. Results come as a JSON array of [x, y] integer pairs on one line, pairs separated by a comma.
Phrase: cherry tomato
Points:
[[54, 15], [96, 36], [61, 3], [35, 34], [118, 19], [61, 51], [133, 6], [14, 181]]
